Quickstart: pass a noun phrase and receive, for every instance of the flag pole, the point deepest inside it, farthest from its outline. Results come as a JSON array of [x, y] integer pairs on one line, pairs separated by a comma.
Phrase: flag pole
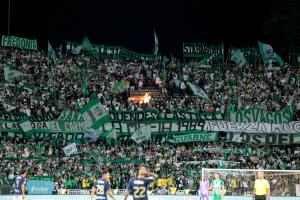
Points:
[[8, 19]]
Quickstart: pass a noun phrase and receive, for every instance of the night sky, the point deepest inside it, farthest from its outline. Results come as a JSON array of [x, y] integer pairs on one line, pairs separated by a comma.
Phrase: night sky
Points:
[[131, 23]]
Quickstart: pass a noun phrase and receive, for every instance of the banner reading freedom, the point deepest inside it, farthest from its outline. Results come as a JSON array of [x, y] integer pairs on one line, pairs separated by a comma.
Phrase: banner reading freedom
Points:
[[260, 115], [197, 137], [291, 127], [22, 43]]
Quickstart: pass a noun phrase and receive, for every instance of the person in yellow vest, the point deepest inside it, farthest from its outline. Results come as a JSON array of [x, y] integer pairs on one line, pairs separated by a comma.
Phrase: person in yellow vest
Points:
[[85, 183], [261, 190], [164, 182], [173, 190], [233, 184], [170, 181], [159, 182]]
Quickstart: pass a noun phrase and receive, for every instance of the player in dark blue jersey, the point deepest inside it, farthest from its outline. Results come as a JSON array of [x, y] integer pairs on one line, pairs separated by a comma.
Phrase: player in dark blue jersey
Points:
[[19, 190], [138, 186], [102, 188]]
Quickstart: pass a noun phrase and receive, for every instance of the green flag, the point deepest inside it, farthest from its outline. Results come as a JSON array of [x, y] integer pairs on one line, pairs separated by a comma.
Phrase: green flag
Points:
[[84, 84], [89, 47], [268, 55], [119, 87], [52, 53], [142, 134], [110, 136], [86, 44], [237, 56]]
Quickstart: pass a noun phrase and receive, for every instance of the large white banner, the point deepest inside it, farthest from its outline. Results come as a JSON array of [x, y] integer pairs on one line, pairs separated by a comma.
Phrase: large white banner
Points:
[[291, 127]]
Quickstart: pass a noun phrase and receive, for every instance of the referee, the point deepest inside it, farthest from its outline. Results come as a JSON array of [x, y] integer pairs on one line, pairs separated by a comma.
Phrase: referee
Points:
[[261, 190]]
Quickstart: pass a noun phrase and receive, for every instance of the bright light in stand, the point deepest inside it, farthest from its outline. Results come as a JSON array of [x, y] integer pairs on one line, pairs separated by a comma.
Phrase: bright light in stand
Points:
[[147, 98]]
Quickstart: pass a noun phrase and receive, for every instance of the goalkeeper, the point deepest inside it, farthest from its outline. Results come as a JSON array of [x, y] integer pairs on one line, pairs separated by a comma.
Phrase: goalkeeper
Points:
[[217, 186]]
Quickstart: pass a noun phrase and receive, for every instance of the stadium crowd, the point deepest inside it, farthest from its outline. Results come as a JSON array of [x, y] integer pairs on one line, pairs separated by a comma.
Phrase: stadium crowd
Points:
[[178, 165], [51, 87]]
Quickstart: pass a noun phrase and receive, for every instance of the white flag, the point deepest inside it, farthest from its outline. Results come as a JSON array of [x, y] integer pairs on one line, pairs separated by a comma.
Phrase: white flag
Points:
[[198, 91], [155, 44], [142, 134], [237, 56], [77, 49], [70, 149]]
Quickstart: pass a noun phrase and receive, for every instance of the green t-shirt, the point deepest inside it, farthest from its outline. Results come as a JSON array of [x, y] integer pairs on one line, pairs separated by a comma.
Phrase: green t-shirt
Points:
[[68, 183], [217, 186]]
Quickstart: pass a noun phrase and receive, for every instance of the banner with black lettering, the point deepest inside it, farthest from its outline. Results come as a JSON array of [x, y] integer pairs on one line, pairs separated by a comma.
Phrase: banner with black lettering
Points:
[[124, 122], [264, 139], [291, 127], [260, 115], [51, 135]]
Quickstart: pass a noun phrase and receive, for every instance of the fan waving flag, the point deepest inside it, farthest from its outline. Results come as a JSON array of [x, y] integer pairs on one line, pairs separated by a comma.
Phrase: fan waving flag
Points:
[[142, 134], [198, 91]]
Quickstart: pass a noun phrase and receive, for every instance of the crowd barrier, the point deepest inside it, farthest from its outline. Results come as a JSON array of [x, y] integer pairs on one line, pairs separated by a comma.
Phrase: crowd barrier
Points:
[[121, 197]]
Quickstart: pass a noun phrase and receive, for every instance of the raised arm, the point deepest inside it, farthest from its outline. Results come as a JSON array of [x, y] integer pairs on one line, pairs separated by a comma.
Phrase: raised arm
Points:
[[153, 175]]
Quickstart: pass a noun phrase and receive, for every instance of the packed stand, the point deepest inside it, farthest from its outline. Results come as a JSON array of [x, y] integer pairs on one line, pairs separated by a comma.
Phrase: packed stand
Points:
[[178, 166], [51, 88]]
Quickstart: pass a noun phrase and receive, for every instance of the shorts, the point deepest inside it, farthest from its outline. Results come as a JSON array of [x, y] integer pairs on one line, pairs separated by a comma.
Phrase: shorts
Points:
[[217, 197], [17, 197], [204, 197], [260, 197]]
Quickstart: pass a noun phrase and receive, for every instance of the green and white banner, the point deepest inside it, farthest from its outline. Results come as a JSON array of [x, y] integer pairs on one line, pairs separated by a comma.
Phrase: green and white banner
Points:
[[22, 43], [263, 128], [203, 51], [196, 137], [109, 51], [260, 115], [264, 139], [94, 116]]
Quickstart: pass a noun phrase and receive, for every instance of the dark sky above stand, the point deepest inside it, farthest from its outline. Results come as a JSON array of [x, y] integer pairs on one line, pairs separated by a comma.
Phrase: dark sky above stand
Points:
[[131, 23]]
